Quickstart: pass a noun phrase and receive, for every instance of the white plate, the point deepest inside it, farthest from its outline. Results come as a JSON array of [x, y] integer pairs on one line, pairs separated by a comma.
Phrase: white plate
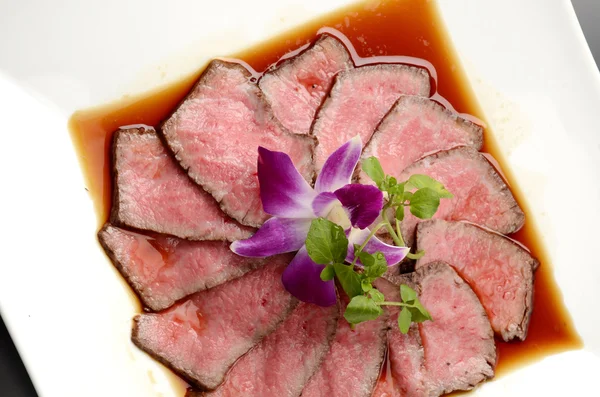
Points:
[[64, 304]]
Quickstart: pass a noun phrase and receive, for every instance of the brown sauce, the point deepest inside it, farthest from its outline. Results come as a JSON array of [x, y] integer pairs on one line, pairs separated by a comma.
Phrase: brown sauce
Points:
[[375, 28]]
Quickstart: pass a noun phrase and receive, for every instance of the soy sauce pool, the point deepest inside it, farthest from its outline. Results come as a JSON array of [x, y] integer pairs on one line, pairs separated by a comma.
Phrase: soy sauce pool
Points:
[[410, 28]]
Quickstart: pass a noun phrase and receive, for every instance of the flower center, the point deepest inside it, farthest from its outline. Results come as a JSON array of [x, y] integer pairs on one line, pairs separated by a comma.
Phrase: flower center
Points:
[[339, 215]]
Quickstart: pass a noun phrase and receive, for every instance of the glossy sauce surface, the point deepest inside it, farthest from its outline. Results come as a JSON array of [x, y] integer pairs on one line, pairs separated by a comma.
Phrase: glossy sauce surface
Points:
[[375, 28]]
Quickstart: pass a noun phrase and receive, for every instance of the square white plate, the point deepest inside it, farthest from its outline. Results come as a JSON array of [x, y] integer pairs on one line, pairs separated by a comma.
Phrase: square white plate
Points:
[[62, 301]]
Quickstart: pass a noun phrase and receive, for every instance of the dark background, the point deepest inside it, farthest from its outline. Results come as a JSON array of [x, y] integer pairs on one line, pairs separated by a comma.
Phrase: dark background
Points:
[[14, 381]]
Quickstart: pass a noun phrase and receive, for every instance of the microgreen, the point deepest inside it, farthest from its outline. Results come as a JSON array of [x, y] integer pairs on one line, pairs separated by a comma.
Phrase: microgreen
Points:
[[424, 203], [372, 168], [365, 300], [415, 311], [328, 273], [327, 245], [376, 296], [350, 280], [326, 242], [418, 181], [420, 193], [362, 308]]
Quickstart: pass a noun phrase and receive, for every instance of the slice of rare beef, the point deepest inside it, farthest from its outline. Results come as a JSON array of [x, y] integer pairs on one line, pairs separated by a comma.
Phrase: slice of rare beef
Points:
[[353, 364], [459, 343], [151, 192], [202, 337], [215, 134], [499, 270], [480, 194], [405, 375], [358, 100], [415, 127], [295, 88], [281, 364], [163, 269]]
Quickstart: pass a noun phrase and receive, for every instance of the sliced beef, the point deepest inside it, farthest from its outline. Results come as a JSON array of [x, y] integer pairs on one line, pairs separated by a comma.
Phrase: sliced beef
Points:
[[296, 87], [358, 100], [480, 194], [202, 337], [459, 343], [215, 134], [499, 270], [354, 361], [414, 127], [163, 269], [405, 375], [151, 192], [283, 362]]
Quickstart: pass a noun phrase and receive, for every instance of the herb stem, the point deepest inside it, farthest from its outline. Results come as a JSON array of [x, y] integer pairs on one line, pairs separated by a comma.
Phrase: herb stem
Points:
[[399, 233], [416, 255], [394, 304], [369, 237], [397, 240]]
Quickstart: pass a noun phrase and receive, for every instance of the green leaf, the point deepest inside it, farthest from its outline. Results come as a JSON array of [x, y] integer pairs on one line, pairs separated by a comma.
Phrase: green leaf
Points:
[[361, 309], [419, 181], [376, 295], [407, 294], [407, 196], [326, 242], [424, 203], [397, 189], [418, 312], [365, 284], [372, 167], [377, 267], [349, 279], [417, 316], [366, 259], [391, 182], [404, 320], [423, 313], [400, 212], [328, 273]]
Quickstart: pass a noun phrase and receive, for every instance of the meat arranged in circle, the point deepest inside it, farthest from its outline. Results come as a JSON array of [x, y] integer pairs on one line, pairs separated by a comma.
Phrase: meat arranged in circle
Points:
[[354, 361], [296, 87], [163, 269], [499, 270], [226, 323], [480, 194], [151, 192], [215, 134], [281, 364], [415, 127], [359, 99], [203, 336]]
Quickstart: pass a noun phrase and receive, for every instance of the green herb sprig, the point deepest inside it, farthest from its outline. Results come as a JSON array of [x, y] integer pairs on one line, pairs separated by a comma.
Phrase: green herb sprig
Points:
[[420, 193], [327, 245]]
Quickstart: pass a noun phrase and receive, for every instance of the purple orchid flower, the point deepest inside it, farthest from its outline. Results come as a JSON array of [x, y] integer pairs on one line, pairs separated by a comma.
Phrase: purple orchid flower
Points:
[[294, 204]]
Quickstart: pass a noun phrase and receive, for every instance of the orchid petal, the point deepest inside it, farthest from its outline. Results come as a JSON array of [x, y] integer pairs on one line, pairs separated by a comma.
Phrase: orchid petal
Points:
[[276, 236], [393, 254], [363, 202], [283, 191], [323, 203], [339, 166], [302, 278]]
